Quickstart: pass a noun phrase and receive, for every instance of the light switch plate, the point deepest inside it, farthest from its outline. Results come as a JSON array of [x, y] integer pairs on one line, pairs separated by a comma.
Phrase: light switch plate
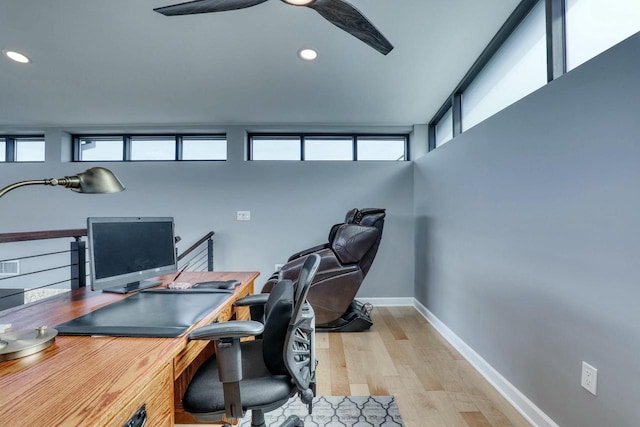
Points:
[[243, 216]]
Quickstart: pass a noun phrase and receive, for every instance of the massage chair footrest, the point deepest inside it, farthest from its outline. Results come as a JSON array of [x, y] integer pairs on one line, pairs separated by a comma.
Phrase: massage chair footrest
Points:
[[356, 319]]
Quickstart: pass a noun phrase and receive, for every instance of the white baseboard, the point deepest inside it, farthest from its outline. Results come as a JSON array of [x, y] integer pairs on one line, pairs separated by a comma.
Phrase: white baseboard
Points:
[[520, 402], [389, 302]]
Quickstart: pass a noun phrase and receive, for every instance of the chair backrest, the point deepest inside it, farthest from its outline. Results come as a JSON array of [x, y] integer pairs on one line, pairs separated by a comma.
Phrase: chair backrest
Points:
[[283, 309], [278, 312], [302, 286], [299, 350]]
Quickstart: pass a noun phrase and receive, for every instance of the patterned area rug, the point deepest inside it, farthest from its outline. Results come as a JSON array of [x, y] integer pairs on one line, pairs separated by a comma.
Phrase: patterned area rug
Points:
[[348, 411]]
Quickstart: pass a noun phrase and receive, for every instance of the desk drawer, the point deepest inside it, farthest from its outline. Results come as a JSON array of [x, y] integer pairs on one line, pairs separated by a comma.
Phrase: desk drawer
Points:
[[158, 398]]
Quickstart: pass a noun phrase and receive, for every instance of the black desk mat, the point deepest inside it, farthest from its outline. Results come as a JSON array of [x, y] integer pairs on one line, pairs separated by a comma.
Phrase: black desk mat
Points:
[[154, 313]]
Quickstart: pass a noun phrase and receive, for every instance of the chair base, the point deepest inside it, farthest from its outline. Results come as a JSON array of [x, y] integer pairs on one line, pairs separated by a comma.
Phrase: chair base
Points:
[[356, 319], [292, 421], [257, 420]]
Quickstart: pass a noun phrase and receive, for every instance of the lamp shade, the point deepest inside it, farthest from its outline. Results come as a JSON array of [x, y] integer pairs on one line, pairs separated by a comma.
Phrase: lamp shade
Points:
[[96, 181]]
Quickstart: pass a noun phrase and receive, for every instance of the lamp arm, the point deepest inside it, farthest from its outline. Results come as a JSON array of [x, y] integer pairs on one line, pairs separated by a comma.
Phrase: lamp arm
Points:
[[15, 185], [67, 182]]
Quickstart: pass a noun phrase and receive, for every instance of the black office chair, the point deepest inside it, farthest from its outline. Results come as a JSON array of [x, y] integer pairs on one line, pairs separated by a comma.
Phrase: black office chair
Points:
[[259, 375], [345, 261]]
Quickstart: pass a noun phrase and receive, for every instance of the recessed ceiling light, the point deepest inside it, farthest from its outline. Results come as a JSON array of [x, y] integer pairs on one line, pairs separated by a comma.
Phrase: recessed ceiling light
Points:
[[16, 56], [308, 54]]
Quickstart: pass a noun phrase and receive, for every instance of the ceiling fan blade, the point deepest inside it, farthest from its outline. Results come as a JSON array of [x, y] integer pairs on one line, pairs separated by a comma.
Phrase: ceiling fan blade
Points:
[[206, 6], [343, 15]]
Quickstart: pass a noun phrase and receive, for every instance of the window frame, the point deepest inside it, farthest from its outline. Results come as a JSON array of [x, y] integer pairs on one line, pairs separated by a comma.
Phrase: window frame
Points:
[[11, 147], [326, 135], [349, 139], [556, 58], [501, 82], [575, 27], [126, 145]]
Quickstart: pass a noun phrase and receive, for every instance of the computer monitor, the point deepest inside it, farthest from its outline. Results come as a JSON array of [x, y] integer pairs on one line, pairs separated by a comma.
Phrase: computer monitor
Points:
[[124, 251]]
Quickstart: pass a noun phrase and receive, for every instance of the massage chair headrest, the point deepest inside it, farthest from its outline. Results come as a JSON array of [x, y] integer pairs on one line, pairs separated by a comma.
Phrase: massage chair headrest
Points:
[[351, 242], [367, 217], [350, 217], [370, 216]]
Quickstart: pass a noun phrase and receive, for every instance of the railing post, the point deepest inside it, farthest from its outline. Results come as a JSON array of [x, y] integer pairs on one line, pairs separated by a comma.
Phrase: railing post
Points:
[[210, 254], [78, 264]]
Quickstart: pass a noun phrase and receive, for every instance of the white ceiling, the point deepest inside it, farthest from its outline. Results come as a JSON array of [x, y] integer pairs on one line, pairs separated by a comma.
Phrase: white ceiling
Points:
[[117, 62]]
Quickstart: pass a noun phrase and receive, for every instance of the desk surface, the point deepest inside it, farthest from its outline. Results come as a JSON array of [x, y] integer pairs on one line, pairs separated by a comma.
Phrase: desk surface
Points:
[[87, 381]]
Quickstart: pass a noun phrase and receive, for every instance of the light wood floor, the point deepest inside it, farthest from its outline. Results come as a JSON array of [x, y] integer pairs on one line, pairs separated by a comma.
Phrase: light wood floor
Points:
[[402, 355]]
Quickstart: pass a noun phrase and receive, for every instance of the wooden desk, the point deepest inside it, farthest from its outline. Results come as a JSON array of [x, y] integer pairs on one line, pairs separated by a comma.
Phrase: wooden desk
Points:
[[88, 381]]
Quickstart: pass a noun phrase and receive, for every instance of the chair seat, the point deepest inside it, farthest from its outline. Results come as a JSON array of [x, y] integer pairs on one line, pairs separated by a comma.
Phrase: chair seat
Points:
[[259, 388]]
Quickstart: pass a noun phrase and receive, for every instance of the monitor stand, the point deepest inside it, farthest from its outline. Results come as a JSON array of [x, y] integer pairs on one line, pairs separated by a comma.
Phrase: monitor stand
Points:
[[133, 287]]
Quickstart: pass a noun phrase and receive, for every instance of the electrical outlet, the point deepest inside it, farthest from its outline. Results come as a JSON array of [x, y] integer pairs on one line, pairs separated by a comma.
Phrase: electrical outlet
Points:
[[243, 215], [589, 378]]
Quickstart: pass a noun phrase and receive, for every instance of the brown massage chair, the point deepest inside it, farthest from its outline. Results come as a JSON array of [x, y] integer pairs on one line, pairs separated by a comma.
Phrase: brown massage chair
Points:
[[345, 261]]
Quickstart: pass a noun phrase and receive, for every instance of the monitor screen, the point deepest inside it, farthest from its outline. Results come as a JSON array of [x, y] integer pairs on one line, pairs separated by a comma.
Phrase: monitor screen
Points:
[[123, 252]]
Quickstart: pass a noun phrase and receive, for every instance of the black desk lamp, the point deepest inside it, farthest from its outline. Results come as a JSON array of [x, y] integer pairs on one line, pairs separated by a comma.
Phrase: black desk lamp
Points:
[[94, 181]]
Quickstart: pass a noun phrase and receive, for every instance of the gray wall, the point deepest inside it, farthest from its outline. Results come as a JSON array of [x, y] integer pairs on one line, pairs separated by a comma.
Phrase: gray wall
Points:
[[292, 204], [528, 240]]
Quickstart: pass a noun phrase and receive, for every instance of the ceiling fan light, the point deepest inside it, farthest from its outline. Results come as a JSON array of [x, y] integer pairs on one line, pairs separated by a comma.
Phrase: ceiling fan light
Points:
[[16, 56], [298, 2], [307, 54]]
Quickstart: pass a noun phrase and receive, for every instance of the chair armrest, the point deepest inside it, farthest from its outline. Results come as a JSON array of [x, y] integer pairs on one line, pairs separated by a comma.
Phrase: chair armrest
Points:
[[308, 251], [231, 329], [251, 300], [226, 337]]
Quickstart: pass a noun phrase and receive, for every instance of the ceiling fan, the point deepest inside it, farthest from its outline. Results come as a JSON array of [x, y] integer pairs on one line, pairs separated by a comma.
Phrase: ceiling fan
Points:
[[338, 12]]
